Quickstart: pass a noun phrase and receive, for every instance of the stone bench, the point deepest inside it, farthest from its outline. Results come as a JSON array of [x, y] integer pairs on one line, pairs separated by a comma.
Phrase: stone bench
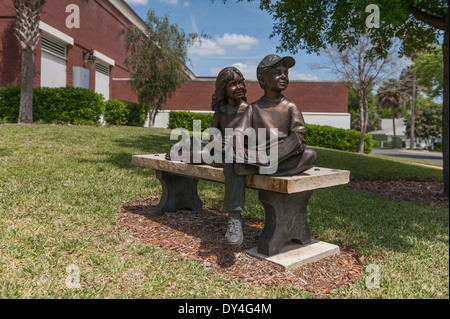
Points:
[[285, 199]]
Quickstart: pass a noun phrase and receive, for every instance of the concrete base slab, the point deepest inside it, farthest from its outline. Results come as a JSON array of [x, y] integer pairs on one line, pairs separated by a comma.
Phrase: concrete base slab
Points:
[[294, 255]]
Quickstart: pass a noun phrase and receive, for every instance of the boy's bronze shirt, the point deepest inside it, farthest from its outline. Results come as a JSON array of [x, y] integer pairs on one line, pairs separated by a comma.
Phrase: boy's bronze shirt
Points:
[[280, 113]]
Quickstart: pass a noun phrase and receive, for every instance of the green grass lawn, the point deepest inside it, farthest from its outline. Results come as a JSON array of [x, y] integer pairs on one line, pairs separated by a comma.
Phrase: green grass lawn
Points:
[[61, 186]]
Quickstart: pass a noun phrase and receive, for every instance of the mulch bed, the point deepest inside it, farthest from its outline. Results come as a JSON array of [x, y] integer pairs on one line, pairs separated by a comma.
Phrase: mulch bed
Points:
[[199, 236], [427, 193]]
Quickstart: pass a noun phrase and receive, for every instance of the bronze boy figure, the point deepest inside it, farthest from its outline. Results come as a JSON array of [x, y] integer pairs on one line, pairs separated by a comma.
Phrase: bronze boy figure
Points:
[[273, 110]]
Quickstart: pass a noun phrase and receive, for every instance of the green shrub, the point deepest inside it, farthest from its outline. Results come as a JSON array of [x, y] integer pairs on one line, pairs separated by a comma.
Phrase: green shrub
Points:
[[67, 105], [185, 120], [9, 104], [376, 144], [51, 105], [137, 114], [116, 112], [336, 138]]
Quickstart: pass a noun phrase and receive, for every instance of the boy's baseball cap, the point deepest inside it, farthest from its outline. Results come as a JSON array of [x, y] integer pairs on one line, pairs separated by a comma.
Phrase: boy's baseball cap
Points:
[[271, 60]]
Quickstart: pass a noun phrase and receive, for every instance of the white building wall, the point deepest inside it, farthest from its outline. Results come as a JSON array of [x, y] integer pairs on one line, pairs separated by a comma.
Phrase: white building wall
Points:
[[338, 120]]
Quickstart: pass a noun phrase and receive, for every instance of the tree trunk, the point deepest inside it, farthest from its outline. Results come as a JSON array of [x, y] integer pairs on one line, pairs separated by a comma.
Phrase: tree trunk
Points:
[[364, 115], [413, 113], [393, 120], [26, 92], [445, 118], [152, 116]]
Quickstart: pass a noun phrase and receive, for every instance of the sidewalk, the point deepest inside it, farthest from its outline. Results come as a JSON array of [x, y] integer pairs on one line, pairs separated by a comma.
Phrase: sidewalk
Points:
[[435, 157]]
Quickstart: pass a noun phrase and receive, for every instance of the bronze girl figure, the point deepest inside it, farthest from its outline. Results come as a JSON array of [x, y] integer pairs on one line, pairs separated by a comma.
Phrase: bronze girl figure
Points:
[[229, 98], [228, 101]]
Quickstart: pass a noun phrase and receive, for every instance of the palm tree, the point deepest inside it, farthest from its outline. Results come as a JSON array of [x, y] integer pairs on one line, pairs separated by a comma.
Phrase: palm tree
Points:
[[391, 95], [28, 14]]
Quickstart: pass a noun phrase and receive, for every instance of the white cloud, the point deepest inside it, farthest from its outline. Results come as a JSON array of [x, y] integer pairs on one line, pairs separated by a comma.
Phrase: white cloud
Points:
[[210, 47], [206, 47], [137, 2], [242, 42], [295, 75], [247, 69], [171, 2]]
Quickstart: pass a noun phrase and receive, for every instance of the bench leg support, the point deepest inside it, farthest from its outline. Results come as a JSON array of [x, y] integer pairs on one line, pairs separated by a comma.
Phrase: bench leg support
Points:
[[177, 192], [285, 221]]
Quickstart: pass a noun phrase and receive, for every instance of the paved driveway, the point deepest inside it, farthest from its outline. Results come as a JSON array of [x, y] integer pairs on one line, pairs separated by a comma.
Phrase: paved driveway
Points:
[[435, 157]]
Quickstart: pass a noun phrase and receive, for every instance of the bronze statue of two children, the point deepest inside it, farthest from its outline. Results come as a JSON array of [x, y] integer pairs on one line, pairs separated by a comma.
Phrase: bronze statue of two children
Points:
[[277, 149]]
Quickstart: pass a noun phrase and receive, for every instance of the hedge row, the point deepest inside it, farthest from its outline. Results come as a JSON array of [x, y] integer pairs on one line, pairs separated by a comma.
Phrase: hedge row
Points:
[[317, 135], [70, 105], [51, 105], [185, 120], [337, 138], [125, 113]]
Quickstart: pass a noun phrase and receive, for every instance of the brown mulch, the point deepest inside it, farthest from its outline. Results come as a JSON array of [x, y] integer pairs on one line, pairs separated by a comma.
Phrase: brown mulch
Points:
[[199, 236], [427, 193]]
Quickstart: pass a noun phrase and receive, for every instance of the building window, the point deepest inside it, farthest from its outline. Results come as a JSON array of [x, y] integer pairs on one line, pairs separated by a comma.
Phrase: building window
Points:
[[53, 62]]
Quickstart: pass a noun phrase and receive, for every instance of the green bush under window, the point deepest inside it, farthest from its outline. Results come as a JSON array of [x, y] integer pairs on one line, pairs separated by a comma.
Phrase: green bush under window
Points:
[[54, 105]]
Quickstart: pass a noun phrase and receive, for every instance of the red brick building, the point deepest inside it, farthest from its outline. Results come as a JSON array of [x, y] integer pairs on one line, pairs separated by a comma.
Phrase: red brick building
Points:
[[321, 102], [66, 44]]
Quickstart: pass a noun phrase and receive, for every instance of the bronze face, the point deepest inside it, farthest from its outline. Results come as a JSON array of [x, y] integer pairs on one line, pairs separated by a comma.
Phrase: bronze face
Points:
[[235, 88], [275, 80]]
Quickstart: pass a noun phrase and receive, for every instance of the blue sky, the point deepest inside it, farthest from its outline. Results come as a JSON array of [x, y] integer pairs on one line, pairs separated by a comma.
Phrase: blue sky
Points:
[[239, 36]]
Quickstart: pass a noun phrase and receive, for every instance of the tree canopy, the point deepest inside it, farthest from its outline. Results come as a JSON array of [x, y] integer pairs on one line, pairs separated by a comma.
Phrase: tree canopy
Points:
[[428, 124], [428, 66]]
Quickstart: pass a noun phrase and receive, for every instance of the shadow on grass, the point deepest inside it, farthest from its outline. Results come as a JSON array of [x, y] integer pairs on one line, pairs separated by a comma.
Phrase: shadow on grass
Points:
[[151, 144], [124, 148], [5, 152]]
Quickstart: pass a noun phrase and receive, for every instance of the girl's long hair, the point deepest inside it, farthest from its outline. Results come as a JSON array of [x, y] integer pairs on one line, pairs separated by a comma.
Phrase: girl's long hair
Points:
[[226, 75]]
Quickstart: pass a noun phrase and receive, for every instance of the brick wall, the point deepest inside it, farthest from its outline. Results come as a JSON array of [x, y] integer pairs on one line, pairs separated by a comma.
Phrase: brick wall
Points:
[[100, 23], [9, 46], [330, 97]]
